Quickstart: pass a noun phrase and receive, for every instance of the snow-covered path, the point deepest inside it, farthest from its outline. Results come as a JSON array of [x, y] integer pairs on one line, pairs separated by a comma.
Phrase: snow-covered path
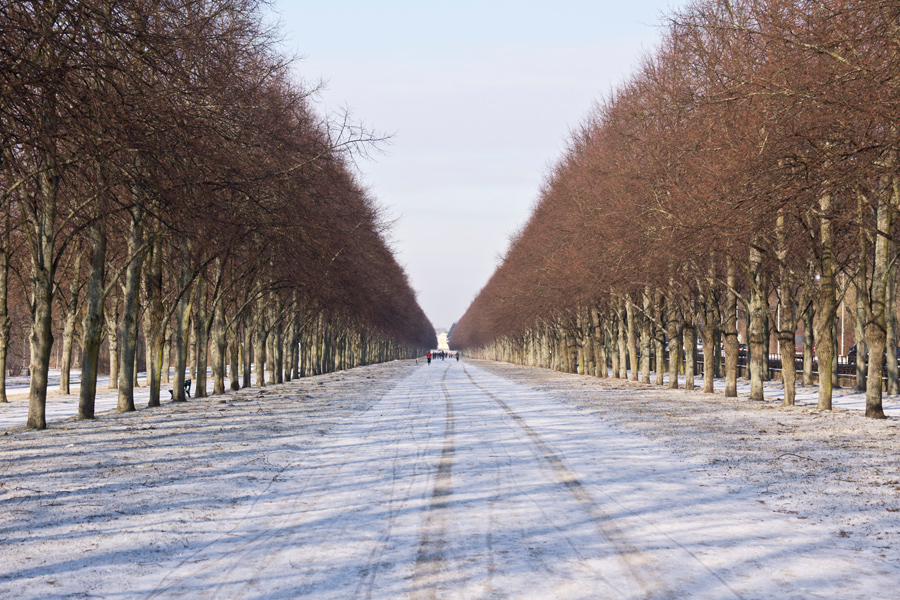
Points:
[[462, 484], [59, 407]]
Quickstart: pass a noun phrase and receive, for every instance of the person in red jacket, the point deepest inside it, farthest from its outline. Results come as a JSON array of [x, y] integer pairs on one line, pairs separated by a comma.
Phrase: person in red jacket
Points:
[[428, 356]]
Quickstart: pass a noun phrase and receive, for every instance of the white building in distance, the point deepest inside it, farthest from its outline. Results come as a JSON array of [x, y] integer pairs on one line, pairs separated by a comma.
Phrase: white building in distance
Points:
[[442, 341]]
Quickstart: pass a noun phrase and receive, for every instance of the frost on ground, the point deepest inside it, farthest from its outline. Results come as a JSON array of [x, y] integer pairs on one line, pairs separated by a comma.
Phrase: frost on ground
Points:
[[835, 467], [89, 505], [454, 480]]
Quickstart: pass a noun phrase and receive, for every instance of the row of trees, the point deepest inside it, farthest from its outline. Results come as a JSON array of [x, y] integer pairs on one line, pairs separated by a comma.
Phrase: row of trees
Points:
[[751, 161], [161, 168]]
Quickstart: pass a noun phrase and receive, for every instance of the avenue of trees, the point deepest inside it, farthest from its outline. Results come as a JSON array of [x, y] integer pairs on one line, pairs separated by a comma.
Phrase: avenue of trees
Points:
[[750, 162], [162, 176]]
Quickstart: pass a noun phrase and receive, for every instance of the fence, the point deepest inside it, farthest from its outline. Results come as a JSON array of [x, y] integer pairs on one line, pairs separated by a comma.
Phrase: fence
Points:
[[844, 367]]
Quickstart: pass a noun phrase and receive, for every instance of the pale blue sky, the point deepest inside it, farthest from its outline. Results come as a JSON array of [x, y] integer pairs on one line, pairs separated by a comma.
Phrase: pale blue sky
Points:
[[479, 97]]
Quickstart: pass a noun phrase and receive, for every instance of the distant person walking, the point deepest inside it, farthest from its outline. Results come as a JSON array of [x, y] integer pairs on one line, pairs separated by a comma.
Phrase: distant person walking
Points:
[[457, 357], [428, 356]]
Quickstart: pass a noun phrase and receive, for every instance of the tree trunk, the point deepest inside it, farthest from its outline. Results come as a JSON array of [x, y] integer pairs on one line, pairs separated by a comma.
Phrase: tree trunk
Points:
[[201, 335], [111, 314], [709, 330], [689, 334], [859, 326], [645, 337], [5, 328], [826, 305], [622, 338], [756, 336], [318, 343], [729, 331], [246, 353], [271, 357], [236, 340], [611, 338], [788, 324], [860, 291], [259, 345], [289, 356], [835, 384], [767, 336], [92, 323], [659, 342], [41, 346], [709, 333], [587, 344], [876, 325], [278, 344], [128, 324], [154, 327], [182, 323], [580, 367], [788, 375], [674, 346], [42, 278], [290, 347], [571, 351], [719, 345], [890, 307], [218, 348], [808, 343], [597, 340], [5, 321], [305, 345], [69, 328], [632, 337], [166, 354], [295, 348], [659, 339]]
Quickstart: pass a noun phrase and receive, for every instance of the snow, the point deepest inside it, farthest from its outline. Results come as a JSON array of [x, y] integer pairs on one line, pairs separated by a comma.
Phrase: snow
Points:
[[455, 480], [60, 406], [846, 398]]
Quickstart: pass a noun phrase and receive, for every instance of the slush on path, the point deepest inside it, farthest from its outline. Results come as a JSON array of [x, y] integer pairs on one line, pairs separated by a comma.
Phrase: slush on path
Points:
[[462, 484]]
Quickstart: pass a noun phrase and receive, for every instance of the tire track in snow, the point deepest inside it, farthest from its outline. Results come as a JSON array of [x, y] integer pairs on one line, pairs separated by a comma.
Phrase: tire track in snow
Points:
[[448, 569], [501, 515], [241, 558], [396, 503], [430, 556], [629, 554]]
